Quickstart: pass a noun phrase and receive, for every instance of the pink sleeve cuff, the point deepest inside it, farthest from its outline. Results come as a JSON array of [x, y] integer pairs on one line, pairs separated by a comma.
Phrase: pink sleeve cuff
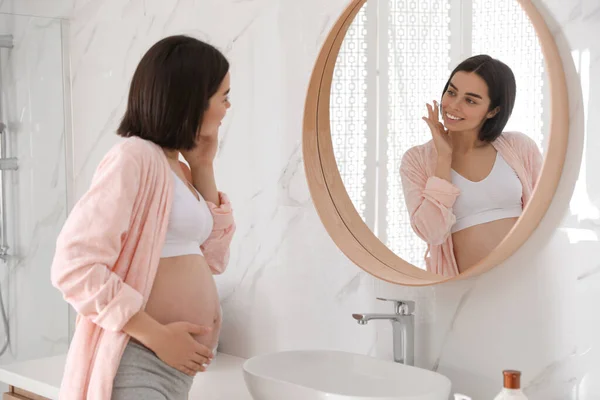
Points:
[[124, 305], [223, 214]]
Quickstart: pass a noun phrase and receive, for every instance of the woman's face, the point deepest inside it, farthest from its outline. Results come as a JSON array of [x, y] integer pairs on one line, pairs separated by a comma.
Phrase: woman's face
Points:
[[466, 102], [217, 108]]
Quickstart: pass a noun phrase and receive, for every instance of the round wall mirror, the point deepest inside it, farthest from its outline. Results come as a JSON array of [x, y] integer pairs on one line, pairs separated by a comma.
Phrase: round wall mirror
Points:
[[435, 134]]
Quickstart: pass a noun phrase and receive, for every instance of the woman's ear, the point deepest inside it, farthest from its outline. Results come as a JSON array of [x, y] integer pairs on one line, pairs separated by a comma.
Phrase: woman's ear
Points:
[[493, 113]]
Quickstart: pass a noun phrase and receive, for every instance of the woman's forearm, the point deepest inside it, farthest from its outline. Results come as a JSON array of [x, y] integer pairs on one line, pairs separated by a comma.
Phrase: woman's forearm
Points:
[[203, 178], [443, 167], [145, 329]]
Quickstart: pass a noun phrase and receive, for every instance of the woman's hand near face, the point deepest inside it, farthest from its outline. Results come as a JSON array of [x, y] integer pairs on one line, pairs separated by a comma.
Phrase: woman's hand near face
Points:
[[442, 142], [441, 139]]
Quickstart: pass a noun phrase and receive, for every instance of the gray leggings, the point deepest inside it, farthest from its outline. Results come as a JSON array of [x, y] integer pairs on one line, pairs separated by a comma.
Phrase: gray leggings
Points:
[[144, 376]]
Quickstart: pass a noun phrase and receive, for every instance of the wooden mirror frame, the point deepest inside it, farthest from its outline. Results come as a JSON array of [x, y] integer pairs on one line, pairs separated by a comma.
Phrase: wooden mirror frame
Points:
[[334, 206]]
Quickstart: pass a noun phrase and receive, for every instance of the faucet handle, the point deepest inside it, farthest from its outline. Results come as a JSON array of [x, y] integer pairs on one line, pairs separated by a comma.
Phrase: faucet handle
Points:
[[401, 307]]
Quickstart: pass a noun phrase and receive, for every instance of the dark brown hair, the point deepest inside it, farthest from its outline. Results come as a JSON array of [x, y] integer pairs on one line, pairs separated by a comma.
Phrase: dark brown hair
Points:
[[170, 91], [502, 90]]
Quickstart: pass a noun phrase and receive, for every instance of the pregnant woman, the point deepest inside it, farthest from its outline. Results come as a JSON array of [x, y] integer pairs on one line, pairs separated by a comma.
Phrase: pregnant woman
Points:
[[466, 188], [137, 254]]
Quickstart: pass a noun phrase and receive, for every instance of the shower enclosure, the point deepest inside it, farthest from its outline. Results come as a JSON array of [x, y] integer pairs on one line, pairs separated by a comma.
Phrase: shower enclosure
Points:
[[34, 145], [6, 164]]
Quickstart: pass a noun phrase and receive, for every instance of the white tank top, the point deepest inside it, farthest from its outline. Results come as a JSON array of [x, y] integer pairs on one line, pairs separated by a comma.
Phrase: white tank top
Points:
[[497, 196], [190, 222]]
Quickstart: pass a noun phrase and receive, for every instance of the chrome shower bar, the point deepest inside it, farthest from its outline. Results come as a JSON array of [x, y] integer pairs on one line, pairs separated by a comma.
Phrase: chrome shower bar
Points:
[[5, 164]]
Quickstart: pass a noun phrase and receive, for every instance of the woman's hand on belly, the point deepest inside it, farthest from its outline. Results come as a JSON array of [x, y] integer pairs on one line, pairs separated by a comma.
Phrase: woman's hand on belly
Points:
[[184, 290], [184, 300], [177, 347]]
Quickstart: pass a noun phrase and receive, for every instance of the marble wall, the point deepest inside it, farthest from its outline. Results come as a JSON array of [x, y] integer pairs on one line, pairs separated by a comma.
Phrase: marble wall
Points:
[[288, 286]]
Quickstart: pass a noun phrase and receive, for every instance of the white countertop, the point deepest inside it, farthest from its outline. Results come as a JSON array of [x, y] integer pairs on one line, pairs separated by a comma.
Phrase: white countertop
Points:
[[223, 380], [40, 376]]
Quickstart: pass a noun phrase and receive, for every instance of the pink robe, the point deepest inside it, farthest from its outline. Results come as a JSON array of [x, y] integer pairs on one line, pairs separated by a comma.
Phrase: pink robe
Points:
[[429, 199], [107, 255]]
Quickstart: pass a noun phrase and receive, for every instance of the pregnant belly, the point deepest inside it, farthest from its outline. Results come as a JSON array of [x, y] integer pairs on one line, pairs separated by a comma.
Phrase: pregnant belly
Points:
[[473, 244], [184, 290]]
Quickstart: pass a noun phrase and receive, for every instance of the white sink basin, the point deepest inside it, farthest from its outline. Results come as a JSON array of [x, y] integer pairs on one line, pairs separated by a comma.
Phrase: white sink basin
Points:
[[336, 375]]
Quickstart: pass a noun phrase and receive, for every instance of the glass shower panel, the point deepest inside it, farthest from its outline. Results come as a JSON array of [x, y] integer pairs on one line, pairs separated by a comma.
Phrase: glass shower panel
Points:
[[32, 79]]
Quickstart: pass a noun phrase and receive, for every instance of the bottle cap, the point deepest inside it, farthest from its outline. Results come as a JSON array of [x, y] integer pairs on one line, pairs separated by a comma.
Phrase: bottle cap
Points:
[[512, 379]]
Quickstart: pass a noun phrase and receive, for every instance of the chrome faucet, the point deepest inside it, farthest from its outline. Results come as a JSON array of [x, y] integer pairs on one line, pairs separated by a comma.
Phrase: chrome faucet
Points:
[[403, 327]]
